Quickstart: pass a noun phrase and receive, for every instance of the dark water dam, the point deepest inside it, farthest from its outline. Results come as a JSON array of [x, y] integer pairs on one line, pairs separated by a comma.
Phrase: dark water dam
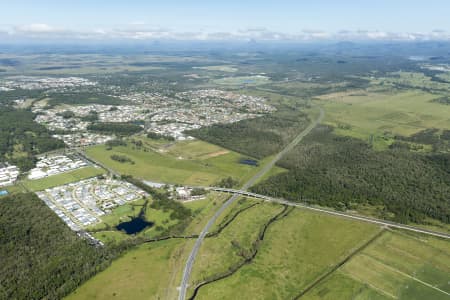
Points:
[[248, 161], [134, 226]]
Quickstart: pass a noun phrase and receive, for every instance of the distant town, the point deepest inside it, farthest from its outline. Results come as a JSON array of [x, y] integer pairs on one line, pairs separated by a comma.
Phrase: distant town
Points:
[[166, 114]]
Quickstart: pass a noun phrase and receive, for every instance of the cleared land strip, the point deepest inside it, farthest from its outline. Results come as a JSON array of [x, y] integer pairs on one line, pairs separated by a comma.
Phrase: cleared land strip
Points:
[[255, 178], [332, 212]]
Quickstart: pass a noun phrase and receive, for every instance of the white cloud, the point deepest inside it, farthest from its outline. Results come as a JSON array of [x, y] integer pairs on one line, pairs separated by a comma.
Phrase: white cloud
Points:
[[36, 29], [141, 31]]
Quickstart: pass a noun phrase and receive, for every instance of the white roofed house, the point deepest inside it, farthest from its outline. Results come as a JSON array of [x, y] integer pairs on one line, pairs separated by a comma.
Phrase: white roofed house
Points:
[[8, 175]]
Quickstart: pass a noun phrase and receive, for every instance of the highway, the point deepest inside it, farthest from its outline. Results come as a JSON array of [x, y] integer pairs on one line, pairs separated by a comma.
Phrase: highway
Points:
[[332, 212], [191, 259]]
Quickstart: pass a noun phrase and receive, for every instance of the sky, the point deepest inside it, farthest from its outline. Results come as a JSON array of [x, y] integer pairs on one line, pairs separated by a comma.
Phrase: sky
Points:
[[225, 20]]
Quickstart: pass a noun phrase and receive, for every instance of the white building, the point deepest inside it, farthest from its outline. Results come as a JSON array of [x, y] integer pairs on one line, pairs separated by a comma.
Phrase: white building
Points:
[[8, 175]]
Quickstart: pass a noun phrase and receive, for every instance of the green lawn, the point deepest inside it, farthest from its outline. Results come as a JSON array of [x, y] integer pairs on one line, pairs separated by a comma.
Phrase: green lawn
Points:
[[61, 179], [191, 163]]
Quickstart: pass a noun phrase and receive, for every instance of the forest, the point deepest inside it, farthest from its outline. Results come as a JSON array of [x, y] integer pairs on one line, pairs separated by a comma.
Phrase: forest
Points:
[[41, 257], [120, 129], [257, 138], [344, 172], [21, 138], [78, 98]]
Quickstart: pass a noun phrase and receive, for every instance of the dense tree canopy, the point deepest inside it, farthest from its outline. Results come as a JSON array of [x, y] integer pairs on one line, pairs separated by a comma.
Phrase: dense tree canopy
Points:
[[115, 128], [21, 138], [258, 137], [341, 172], [41, 258]]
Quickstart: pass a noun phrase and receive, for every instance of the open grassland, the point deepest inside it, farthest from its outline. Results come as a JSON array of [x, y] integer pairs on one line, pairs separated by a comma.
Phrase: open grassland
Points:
[[231, 211], [242, 80], [149, 271], [190, 163], [219, 68], [87, 64], [221, 252], [296, 250], [369, 115], [64, 178], [395, 266], [413, 80], [203, 210]]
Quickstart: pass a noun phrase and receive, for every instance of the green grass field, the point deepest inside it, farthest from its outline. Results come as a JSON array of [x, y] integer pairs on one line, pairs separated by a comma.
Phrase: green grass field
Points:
[[152, 270], [296, 250], [149, 271], [217, 254], [190, 163], [203, 210], [64, 178], [395, 266], [373, 113], [240, 80]]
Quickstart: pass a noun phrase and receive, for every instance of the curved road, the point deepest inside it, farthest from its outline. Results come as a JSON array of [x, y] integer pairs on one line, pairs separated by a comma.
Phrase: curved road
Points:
[[262, 172]]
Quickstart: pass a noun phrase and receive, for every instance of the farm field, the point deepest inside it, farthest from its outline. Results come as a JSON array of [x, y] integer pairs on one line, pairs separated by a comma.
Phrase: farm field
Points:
[[189, 163], [61, 179], [365, 114], [395, 266]]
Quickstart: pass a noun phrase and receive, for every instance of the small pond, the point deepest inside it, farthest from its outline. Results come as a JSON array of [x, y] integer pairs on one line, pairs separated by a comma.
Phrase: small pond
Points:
[[250, 162], [134, 226]]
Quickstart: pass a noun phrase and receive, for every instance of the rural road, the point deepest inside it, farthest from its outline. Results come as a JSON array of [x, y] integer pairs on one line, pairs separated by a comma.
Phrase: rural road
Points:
[[262, 172]]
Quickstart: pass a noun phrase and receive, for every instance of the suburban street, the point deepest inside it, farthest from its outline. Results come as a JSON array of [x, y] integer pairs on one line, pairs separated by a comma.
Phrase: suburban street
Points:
[[191, 259]]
